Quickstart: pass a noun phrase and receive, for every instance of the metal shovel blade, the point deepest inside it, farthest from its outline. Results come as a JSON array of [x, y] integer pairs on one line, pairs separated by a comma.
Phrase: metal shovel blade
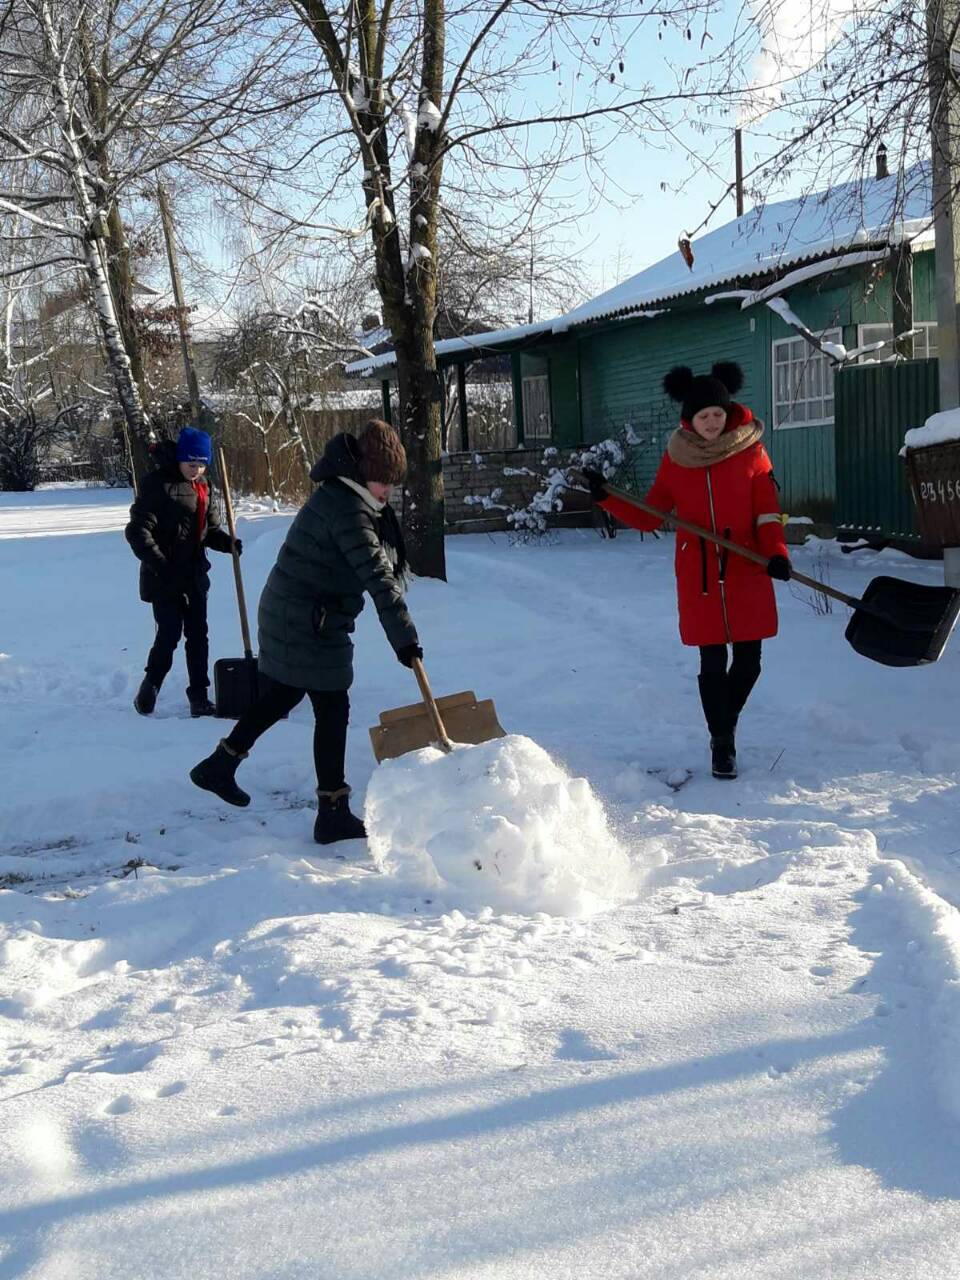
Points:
[[907, 624], [404, 729]]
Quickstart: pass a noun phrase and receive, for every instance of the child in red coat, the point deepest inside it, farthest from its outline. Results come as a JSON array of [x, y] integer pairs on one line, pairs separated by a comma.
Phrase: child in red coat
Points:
[[716, 473]]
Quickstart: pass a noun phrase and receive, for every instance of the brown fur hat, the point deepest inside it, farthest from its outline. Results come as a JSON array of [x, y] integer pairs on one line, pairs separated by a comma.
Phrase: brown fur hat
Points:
[[381, 456]]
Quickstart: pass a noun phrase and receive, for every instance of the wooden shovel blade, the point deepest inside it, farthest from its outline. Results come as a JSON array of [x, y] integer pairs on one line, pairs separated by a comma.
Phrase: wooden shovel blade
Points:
[[465, 719]]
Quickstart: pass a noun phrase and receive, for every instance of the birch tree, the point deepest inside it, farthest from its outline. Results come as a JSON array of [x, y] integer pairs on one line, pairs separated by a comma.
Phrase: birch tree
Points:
[[111, 93]]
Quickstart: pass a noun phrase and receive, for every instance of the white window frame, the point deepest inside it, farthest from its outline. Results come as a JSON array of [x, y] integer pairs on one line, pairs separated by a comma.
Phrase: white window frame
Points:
[[875, 332], [543, 428], [810, 354]]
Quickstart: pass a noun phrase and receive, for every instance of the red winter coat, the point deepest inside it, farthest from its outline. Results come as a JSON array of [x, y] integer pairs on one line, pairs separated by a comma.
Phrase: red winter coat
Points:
[[721, 596]]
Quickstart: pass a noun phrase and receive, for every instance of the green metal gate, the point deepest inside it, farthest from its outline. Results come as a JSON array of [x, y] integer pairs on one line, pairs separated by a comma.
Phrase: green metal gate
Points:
[[876, 404]]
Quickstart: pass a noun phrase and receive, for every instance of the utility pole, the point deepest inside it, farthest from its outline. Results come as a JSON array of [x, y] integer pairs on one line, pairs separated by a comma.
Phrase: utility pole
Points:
[[189, 367], [943, 62], [530, 311], [738, 150]]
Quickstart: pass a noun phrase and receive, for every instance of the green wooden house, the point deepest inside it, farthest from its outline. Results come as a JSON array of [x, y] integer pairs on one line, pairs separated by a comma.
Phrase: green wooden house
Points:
[[839, 264]]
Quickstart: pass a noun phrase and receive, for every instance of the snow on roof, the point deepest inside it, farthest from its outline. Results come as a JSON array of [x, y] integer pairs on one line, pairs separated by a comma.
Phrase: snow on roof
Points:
[[843, 218], [851, 215], [448, 346], [326, 401]]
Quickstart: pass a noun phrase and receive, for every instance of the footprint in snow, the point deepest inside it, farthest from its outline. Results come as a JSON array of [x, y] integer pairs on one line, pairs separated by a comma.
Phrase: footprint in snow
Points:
[[119, 1106], [171, 1090], [575, 1046]]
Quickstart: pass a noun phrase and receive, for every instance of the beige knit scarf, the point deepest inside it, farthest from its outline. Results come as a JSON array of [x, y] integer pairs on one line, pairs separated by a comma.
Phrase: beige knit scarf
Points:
[[687, 449]]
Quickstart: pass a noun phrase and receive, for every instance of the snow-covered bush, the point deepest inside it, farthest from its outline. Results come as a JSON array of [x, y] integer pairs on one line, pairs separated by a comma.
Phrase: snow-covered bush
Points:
[[531, 521]]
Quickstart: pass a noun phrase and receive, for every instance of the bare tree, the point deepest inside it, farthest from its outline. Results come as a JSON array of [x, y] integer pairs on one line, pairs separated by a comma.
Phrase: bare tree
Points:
[[827, 91], [103, 96], [438, 98]]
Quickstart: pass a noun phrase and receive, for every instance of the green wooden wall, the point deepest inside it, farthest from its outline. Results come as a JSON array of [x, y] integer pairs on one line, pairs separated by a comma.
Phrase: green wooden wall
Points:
[[610, 377]]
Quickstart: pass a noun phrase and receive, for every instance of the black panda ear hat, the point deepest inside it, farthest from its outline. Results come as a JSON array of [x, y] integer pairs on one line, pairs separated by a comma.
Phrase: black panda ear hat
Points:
[[696, 393]]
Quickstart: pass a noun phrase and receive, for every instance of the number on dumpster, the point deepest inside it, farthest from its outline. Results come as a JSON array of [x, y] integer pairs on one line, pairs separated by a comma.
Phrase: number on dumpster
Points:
[[940, 490]]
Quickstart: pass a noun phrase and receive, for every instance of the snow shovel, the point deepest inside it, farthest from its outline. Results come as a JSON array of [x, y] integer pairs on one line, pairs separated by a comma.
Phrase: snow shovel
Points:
[[434, 722], [235, 680], [896, 623]]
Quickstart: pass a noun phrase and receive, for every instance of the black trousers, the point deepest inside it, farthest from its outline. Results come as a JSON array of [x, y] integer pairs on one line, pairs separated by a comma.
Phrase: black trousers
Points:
[[331, 713], [724, 692], [181, 613], [746, 658]]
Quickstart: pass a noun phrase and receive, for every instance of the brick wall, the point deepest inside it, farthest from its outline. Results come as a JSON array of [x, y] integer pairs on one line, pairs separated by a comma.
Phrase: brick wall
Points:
[[516, 473]]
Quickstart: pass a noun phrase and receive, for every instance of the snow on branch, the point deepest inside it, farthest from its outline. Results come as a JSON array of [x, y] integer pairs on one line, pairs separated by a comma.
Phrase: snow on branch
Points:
[[771, 297]]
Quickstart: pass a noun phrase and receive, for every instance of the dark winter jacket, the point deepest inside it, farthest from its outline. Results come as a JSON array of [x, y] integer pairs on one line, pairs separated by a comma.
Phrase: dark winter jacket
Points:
[[163, 529], [721, 596], [342, 543]]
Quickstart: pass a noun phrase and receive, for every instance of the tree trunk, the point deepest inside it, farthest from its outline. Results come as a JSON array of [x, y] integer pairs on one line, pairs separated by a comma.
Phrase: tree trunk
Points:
[[121, 286], [116, 250], [128, 392], [421, 430], [417, 376], [407, 289]]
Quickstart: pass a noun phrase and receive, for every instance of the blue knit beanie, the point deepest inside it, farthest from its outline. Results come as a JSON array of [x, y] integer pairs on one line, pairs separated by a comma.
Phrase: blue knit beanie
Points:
[[194, 445]]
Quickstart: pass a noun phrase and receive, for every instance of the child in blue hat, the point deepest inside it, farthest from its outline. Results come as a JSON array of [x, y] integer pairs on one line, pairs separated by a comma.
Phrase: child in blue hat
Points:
[[172, 524]]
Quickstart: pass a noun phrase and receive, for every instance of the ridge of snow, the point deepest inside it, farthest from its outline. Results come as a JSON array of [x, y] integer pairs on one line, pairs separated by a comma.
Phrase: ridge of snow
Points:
[[939, 428]]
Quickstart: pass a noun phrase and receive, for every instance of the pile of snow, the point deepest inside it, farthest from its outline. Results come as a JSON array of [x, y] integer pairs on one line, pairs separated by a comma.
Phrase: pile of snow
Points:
[[498, 825], [939, 428]]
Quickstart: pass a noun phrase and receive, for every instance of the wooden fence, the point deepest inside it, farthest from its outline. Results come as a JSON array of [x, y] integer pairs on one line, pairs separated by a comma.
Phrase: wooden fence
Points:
[[245, 450]]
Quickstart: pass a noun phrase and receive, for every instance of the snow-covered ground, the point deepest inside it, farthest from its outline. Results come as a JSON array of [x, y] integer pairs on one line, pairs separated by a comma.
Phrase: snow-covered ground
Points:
[[226, 1052]]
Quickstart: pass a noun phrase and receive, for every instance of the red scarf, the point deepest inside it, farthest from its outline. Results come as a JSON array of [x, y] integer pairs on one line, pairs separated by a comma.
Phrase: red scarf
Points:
[[203, 501]]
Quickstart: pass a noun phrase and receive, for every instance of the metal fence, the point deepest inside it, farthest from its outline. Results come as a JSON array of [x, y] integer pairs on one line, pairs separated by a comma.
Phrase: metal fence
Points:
[[876, 404]]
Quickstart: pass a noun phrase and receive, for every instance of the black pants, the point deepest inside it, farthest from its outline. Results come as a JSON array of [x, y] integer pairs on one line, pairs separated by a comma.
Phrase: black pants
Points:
[[724, 692], [331, 714], [181, 613], [746, 659]]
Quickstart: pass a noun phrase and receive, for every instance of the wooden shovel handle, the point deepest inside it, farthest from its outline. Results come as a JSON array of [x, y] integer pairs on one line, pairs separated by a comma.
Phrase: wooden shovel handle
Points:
[[429, 702], [237, 575], [746, 552]]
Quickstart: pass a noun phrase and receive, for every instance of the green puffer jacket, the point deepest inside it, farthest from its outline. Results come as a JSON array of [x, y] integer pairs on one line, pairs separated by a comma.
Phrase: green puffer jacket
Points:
[[342, 543]]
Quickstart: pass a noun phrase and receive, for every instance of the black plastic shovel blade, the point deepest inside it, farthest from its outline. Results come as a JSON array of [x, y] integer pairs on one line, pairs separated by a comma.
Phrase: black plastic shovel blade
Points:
[[235, 686], [911, 625]]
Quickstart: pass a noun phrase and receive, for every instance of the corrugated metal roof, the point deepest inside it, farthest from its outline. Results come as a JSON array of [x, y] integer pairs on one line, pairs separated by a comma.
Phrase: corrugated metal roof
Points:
[[850, 216], [853, 215]]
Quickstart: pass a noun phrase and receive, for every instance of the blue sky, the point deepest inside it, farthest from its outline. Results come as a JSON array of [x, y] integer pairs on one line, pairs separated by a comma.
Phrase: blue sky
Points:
[[654, 193]]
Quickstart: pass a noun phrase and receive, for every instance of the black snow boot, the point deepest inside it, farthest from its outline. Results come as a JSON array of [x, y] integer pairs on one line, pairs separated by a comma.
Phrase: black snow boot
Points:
[[146, 698], [334, 820], [723, 750], [200, 705], [740, 685], [721, 721], [216, 774]]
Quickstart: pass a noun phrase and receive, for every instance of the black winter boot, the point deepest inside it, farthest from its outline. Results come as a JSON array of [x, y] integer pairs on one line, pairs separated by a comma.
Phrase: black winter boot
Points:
[[334, 819], [216, 774], [721, 721], [740, 686], [200, 705], [146, 697], [723, 751]]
